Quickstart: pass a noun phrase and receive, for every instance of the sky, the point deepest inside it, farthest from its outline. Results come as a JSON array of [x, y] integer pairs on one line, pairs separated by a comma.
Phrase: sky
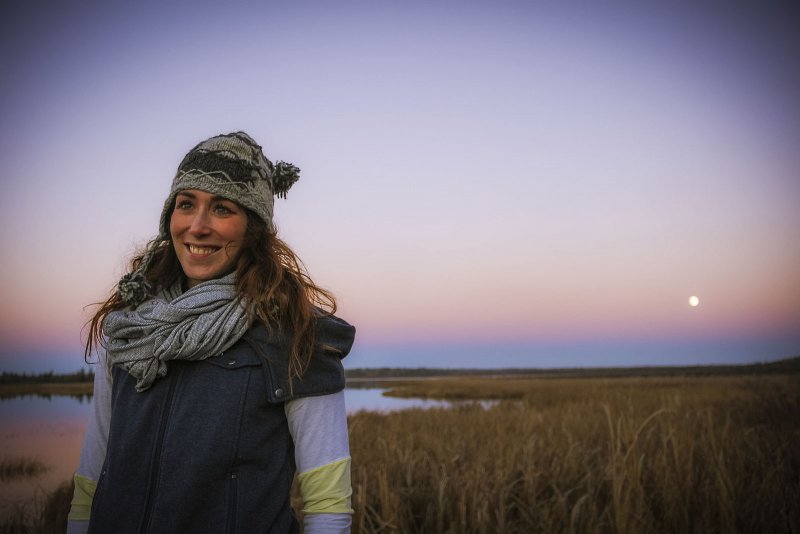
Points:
[[484, 183]]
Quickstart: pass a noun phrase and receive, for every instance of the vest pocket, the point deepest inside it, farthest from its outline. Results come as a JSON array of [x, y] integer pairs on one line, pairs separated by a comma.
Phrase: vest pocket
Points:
[[236, 357], [232, 503]]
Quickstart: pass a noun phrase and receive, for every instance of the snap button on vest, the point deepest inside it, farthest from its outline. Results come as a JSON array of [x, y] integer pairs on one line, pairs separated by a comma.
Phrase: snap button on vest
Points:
[[279, 392]]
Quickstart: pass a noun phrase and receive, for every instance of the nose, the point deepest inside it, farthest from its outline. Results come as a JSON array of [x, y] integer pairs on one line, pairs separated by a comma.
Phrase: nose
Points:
[[200, 223]]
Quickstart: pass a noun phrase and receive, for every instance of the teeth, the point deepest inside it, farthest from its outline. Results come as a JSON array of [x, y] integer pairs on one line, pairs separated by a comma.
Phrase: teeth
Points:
[[194, 249]]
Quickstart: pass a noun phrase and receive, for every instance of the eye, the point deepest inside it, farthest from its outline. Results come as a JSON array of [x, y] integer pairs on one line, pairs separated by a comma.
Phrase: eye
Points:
[[183, 204], [222, 209]]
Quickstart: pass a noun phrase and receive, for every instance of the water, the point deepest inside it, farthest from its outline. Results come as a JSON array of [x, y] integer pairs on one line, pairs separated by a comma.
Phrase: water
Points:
[[373, 399], [51, 430]]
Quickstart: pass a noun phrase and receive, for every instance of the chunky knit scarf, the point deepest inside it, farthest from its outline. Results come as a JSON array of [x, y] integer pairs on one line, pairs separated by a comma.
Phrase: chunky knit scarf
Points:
[[174, 325]]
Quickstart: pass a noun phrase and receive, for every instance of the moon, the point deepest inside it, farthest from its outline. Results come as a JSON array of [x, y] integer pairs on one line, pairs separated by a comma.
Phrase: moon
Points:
[[694, 301]]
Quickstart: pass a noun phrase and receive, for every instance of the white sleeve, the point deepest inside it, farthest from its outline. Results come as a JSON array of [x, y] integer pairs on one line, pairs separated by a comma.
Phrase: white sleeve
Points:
[[318, 426], [93, 452]]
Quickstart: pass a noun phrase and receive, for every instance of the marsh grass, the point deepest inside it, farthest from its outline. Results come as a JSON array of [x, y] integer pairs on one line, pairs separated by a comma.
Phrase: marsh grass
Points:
[[575, 455], [667, 454], [20, 468], [45, 514]]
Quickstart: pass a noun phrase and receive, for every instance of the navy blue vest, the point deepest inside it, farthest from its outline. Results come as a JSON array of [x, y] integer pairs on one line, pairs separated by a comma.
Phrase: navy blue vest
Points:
[[207, 448]]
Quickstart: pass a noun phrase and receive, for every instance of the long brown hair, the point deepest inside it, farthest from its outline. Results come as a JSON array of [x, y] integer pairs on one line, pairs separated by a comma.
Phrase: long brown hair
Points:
[[271, 281]]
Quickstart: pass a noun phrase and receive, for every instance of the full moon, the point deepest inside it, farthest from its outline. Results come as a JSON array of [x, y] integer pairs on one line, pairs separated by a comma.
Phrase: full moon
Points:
[[694, 301]]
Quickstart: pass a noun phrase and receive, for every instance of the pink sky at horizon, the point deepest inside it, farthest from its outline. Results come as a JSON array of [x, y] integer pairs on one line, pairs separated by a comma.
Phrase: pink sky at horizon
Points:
[[471, 173]]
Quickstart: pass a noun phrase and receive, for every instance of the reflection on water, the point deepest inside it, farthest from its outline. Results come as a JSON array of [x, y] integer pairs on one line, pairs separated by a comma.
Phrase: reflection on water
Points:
[[50, 429], [374, 400], [80, 397]]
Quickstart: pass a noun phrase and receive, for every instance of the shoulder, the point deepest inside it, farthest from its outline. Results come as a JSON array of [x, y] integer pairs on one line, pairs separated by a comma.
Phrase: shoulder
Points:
[[334, 334], [325, 374]]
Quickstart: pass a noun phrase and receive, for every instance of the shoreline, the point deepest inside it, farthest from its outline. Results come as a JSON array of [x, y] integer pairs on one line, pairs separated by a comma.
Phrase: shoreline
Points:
[[397, 379]]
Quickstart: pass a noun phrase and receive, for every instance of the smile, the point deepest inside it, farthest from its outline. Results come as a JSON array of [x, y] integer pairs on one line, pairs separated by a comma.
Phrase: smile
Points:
[[201, 251]]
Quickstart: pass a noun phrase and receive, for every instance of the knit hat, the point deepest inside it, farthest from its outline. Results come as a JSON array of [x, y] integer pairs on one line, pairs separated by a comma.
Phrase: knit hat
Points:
[[232, 166]]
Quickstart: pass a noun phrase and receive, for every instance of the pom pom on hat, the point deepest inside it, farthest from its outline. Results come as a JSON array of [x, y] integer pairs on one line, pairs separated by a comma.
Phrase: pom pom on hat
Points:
[[284, 177]]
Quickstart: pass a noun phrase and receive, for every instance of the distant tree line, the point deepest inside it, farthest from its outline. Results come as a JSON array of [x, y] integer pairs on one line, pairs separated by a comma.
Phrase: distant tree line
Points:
[[49, 377], [787, 365]]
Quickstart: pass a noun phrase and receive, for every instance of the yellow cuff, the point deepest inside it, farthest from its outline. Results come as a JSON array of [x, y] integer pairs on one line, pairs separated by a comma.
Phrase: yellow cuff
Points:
[[326, 489], [82, 498]]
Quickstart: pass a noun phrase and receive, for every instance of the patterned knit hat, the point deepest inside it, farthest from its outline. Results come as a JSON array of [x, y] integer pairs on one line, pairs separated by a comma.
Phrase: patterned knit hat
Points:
[[232, 166]]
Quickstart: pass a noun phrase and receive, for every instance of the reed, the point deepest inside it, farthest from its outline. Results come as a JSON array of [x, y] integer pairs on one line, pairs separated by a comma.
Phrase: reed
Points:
[[668, 454], [15, 468], [45, 514], [574, 455]]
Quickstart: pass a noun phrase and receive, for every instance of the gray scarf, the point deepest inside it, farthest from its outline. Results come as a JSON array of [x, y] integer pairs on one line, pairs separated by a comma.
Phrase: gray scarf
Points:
[[174, 325]]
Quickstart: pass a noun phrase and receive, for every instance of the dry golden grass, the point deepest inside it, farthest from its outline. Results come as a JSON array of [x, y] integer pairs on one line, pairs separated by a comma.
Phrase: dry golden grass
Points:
[[14, 468], [45, 514], [668, 454], [660, 454]]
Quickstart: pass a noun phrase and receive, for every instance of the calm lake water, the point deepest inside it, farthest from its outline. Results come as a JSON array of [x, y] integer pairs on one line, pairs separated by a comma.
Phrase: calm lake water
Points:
[[51, 431]]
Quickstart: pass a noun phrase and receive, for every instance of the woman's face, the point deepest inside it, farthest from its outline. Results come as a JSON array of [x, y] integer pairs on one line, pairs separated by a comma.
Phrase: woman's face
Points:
[[207, 233]]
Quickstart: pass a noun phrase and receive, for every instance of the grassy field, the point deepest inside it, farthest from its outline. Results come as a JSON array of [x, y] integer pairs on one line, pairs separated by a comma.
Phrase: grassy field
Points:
[[661, 454], [635, 454], [19, 468], [46, 514]]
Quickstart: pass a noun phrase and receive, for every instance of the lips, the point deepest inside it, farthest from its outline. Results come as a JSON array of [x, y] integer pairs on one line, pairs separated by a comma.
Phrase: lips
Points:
[[201, 251]]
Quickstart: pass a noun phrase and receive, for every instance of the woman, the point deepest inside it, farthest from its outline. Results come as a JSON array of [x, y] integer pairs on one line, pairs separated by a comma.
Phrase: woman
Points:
[[224, 374]]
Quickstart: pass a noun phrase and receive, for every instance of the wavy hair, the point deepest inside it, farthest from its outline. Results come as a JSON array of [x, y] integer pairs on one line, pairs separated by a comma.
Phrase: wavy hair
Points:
[[271, 281]]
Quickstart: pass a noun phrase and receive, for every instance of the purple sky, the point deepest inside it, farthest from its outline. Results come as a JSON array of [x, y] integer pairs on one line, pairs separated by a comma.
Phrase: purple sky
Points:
[[483, 183]]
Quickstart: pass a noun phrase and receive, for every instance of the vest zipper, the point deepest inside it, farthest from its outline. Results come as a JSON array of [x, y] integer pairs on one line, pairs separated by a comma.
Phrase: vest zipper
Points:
[[232, 504], [156, 462]]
